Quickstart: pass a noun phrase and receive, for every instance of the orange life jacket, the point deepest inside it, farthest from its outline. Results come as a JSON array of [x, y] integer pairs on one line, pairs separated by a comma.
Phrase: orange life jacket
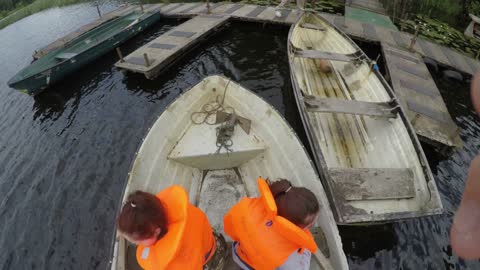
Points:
[[189, 242], [265, 239]]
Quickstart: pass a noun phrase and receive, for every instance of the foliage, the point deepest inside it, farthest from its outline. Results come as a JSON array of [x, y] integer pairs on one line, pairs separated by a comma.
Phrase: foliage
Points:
[[442, 33], [453, 12], [330, 6]]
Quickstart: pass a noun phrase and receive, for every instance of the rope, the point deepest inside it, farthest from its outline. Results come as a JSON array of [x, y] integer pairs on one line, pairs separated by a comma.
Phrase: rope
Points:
[[225, 131], [210, 109]]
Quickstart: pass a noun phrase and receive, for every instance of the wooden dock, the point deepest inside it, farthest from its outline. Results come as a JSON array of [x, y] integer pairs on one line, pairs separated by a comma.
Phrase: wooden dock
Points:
[[408, 73], [419, 96], [151, 58]]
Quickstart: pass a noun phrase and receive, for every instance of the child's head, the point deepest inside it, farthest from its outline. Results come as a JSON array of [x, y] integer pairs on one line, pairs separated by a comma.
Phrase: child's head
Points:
[[297, 204], [143, 219]]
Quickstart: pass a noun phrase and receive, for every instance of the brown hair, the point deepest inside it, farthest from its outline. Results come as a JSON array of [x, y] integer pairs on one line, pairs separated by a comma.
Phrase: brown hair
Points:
[[294, 203], [141, 215]]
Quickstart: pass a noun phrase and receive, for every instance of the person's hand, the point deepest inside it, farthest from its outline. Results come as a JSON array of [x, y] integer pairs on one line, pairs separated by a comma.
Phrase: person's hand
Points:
[[465, 231]]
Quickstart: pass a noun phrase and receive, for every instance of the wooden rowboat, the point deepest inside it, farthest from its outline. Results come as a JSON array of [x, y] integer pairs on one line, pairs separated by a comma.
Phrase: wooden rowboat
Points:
[[80, 51], [369, 158], [183, 148]]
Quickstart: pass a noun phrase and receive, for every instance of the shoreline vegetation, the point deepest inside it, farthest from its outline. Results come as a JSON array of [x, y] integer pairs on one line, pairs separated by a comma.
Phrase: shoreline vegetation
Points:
[[441, 21]]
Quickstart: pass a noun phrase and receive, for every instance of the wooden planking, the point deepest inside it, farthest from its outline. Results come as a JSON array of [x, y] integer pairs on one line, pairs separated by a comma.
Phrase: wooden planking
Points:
[[162, 50], [170, 7], [191, 7], [233, 8], [243, 11], [369, 31], [356, 107], [359, 184], [256, 11], [419, 96]]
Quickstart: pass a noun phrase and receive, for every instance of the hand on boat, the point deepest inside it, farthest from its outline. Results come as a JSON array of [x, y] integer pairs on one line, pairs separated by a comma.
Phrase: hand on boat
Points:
[[465, 231]]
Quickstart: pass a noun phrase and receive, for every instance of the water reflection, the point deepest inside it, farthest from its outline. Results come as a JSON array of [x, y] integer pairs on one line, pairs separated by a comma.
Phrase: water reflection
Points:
[[101, 73], [364, 242]]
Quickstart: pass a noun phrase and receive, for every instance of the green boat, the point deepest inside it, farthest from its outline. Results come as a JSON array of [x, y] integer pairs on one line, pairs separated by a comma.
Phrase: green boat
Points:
[[80, 51]]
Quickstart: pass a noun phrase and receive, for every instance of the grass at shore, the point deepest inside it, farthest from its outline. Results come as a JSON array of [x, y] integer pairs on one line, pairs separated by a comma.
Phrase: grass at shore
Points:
[[37, 6]]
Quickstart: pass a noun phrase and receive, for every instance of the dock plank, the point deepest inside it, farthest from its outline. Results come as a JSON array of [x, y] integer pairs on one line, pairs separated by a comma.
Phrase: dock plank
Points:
[[256, 11], [369, 31], [419, 96], [168, 47], [242, 12], [171, 7]]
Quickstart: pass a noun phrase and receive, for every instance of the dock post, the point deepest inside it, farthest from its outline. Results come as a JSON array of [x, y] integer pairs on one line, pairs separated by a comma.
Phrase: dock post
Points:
[[415, 36], [208, 7], [98, 10], [147, 62], [141, 7], [119, 53]]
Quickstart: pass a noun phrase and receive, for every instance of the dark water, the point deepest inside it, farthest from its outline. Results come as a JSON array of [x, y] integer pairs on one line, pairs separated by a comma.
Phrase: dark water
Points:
[[65, 155]]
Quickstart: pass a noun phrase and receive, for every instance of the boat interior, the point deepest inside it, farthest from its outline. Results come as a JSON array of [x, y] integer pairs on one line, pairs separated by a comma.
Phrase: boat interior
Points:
[[220, 139], [374, 169], [80, 44]]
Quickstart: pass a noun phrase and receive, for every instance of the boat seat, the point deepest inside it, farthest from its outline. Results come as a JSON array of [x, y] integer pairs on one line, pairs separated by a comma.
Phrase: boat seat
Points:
[[359, 184], [332, 105], [65, 56], [315, 54], [312, 27], [197, 148]]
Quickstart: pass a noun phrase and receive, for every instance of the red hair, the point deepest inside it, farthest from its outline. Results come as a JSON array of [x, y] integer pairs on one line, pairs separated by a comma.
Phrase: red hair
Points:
[[141, 215]]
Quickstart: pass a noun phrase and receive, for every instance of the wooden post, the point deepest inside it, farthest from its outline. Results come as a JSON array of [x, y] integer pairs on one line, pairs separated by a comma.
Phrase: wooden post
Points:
[[141, 7], [414, 38], [119, 53], [98, 10], [147, 62], [208, 7]]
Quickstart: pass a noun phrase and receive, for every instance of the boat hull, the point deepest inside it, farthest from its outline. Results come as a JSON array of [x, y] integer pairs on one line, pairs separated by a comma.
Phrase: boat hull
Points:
[[186, 154], [40, 81], [346, 147]]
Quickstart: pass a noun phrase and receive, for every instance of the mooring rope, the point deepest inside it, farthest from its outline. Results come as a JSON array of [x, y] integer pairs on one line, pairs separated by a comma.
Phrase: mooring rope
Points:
[[225, 130]]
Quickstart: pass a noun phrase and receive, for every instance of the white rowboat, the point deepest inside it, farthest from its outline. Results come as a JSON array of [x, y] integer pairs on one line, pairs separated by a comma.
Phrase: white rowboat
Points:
[[178, 151], [369, 158]]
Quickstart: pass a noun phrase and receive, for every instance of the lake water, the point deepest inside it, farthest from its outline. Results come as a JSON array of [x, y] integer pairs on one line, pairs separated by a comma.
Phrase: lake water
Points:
[[65, 155]]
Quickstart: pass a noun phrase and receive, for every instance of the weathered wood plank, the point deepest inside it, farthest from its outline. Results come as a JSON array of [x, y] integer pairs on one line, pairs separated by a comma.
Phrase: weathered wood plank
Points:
[[163, 46], [420, 88], [369, 31], [313, 54], [434, 114], [358, 184], [331, 105], [166, 48], [420, 96], [256, 11]]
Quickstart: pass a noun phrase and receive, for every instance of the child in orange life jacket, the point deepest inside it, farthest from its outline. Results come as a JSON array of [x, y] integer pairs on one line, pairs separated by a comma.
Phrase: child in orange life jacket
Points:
[[170, 232], [271, 232]]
